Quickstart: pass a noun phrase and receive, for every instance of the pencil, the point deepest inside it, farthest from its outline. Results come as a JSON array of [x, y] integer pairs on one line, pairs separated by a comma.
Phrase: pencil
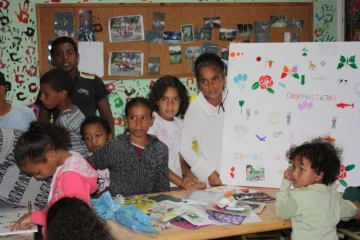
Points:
[[29, 207]]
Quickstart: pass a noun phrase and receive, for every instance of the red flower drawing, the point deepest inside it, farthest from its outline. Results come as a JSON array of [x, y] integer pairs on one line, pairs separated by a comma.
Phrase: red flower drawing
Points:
[[265, 82], [343, 173]]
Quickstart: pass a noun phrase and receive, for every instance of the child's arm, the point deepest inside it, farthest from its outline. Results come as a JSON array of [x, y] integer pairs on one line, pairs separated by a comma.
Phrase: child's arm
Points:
[[199, 165], [348, 210], [285, 205], [185, 168], [102, 158], [162, 171]]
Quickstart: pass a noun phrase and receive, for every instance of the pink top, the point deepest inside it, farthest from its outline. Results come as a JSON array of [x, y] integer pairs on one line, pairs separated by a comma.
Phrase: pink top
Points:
[[76, 178]]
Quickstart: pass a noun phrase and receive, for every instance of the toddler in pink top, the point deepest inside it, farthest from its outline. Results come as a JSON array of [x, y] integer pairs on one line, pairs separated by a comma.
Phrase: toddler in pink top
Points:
[[42, 153]]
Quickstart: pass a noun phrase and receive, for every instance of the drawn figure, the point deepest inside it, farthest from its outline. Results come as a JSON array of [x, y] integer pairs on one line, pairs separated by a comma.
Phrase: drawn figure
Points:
[[261, 139], [334, 122], [247, 113], [288, 118], [312, 66], [251, 175], [270, 63], [291, 138]]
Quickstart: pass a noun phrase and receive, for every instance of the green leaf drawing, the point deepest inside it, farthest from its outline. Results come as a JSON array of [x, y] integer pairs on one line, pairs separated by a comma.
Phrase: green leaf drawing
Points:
[[352, 59], [343, 182], [295, 75], [304, 54], [353, 65], [255, 85], [302, 80], [342, 59], [270, 90], [241, 104], [340, 65], [350, 167]]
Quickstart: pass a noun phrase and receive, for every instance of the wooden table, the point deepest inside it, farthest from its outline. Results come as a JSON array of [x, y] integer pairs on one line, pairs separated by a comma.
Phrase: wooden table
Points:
[[270, 223]]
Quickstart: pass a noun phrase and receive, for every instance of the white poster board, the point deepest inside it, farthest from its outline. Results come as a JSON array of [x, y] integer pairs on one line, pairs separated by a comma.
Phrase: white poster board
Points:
[[91, 57], [288, 93]]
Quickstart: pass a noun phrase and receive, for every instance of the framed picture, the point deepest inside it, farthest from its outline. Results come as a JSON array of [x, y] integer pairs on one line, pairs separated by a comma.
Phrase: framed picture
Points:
[[126, 28], [126, 63], [187, 33]]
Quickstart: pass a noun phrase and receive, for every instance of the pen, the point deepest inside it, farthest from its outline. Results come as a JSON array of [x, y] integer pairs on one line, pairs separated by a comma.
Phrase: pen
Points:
[[29, 207]]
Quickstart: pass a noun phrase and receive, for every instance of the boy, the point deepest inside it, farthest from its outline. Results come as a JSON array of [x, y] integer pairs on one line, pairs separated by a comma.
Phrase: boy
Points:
[[13, 116], [56, 87], [89, 92]]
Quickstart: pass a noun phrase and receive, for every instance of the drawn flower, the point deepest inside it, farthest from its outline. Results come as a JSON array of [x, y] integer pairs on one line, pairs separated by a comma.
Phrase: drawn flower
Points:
[[343, 174], [265, 82]]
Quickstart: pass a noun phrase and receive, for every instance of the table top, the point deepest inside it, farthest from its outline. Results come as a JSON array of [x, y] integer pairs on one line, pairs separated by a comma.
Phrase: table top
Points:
[[270, 223]]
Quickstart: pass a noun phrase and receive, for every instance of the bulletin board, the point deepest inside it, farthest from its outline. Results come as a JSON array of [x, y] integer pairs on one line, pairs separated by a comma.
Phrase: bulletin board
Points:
[[175, 16]]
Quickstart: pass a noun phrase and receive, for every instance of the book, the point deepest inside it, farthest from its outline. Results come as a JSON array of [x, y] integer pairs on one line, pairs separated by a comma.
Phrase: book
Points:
[[257, 207], [242, 209], [254, 197], [166, 210]]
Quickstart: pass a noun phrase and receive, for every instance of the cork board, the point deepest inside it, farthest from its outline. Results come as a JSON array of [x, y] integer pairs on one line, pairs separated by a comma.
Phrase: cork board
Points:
[[175, 16]]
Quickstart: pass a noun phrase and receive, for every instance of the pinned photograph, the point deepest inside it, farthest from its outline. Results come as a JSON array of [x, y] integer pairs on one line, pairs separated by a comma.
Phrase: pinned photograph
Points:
[[64, 24], [262, 31], [210, 48], [172, 37], [153, 37], [158, 21], [85, 35], [126, 28], [175, 55], [227, 34], [244, 30], [126, 63], [225, 58], [291, 37], [154, 65], [203, 33], [212, 22], [295, 24], [85, 19], [255, 173], [192, 52], [187, 33], [278, 21], [49, 53]]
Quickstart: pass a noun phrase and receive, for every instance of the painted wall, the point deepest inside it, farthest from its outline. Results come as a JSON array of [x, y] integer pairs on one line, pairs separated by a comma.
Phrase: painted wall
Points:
[[19, 54]]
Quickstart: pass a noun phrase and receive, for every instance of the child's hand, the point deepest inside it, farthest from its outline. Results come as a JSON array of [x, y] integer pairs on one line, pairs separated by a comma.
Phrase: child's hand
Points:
[[214, 179], [357, 203], [187, 182], [287, 173], [198, 186], [23, 223]]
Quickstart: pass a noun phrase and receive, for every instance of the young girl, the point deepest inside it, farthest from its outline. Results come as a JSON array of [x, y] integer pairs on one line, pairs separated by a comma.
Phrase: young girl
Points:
[[204, 120], [42, 153], [73, 219], [169, 98], [314, 206], [138, 162], [95, 132]]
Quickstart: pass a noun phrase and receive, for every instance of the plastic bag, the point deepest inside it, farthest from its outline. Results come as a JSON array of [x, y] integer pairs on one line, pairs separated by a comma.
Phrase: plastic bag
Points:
[[128, 216]]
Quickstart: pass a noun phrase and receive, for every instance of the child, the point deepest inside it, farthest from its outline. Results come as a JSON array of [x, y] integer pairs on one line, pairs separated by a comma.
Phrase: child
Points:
[[169, 98], [89, 93], [138, 162], [314, 206], [13, 116], [250, 173], [42, 153], [56, 88], [204, 120], [96, 131], [73, 219]]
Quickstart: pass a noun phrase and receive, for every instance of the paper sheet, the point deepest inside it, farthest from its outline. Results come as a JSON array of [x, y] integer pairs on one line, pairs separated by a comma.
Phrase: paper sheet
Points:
[[91, 57]]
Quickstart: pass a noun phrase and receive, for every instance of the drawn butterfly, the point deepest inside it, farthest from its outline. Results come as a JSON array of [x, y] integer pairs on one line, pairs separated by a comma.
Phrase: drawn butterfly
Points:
[[293, 72], [347, 61]]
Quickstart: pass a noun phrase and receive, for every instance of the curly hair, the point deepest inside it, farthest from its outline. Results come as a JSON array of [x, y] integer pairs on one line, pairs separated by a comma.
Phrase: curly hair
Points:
[[206, 60], [138, 101], [40, 138], [62, 40], [59, 80], [73, 219], [159, 88], [95, 120], [323, 155]]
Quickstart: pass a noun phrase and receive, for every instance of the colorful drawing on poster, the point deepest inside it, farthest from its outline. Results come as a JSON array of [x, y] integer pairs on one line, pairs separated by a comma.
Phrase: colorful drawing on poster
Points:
[[248, 113], [312, 65], [255, 173], [305, 107], [347, 61], [261, 139], [274, 117], [232, 170], [283, 85], [343, 81], [288, 118], [269, 63], [344, 105], [265, 82], [258, 59], [329, 139], [241, 104], [323, 63], [240, 79], [292, 71], [343, 173], [304, 52]]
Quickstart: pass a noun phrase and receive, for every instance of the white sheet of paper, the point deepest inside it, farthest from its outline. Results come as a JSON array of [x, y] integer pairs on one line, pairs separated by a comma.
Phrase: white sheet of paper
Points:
[[91, 57], [253, 218], [9, 214]]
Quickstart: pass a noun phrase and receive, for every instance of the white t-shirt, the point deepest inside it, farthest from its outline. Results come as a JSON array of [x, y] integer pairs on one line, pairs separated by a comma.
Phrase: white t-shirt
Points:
[[19, 117], [169, 132]]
